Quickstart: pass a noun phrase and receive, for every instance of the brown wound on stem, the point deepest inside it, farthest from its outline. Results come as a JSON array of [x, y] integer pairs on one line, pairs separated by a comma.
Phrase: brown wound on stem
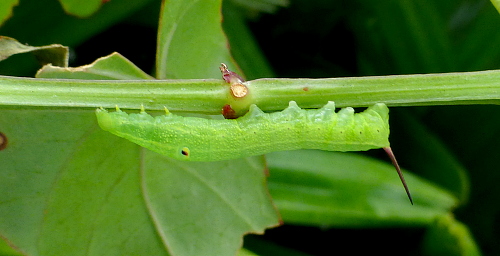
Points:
[[3, 141], [228, 112], [239, 90]]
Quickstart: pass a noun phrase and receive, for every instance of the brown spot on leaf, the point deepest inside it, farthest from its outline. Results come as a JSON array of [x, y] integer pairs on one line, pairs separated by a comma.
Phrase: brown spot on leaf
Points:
[[3, 141]]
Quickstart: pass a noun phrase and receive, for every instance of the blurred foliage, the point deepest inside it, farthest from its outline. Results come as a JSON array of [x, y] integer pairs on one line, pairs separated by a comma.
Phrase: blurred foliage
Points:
[[452, 147]]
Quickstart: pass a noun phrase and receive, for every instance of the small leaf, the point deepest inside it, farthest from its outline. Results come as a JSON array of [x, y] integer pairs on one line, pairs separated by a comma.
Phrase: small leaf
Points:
[[55, 54], [81, 8], [111, 67], [6, 7]]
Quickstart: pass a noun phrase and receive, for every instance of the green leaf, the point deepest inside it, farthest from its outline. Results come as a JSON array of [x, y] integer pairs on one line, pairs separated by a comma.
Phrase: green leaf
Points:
[[6, 249], [496, 3], [191, 43], [32, 162], [244, 47], [78, 191], [93, 204], [211, 205], [6, 7], [447, 236], [244, 252], [111, 67], [81, 8], [403, 37], [185, 210], [55, 54], [348, 190], [59, 27]]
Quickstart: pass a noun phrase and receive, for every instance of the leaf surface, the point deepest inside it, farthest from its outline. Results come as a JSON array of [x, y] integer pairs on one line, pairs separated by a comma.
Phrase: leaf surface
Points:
[[6, 7], [191, 43], [54, 53], [81, 8], [322, 188], [207, 207], [78, 191], [112, 67]]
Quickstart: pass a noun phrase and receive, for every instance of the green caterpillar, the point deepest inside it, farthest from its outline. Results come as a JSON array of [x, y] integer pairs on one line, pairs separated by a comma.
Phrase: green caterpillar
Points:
[[256, 133]]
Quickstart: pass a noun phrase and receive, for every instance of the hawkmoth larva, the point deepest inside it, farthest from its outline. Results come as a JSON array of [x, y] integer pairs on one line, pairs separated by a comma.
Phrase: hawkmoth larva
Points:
[[255, 133]]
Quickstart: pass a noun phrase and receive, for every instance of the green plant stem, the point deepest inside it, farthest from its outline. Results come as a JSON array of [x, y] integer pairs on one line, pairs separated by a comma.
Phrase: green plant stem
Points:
[[204, 96], [481, 87], [208, 96]]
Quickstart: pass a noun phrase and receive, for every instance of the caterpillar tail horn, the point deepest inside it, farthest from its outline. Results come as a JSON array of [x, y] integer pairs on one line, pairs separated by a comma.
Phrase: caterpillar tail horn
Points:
[[389, 152]]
